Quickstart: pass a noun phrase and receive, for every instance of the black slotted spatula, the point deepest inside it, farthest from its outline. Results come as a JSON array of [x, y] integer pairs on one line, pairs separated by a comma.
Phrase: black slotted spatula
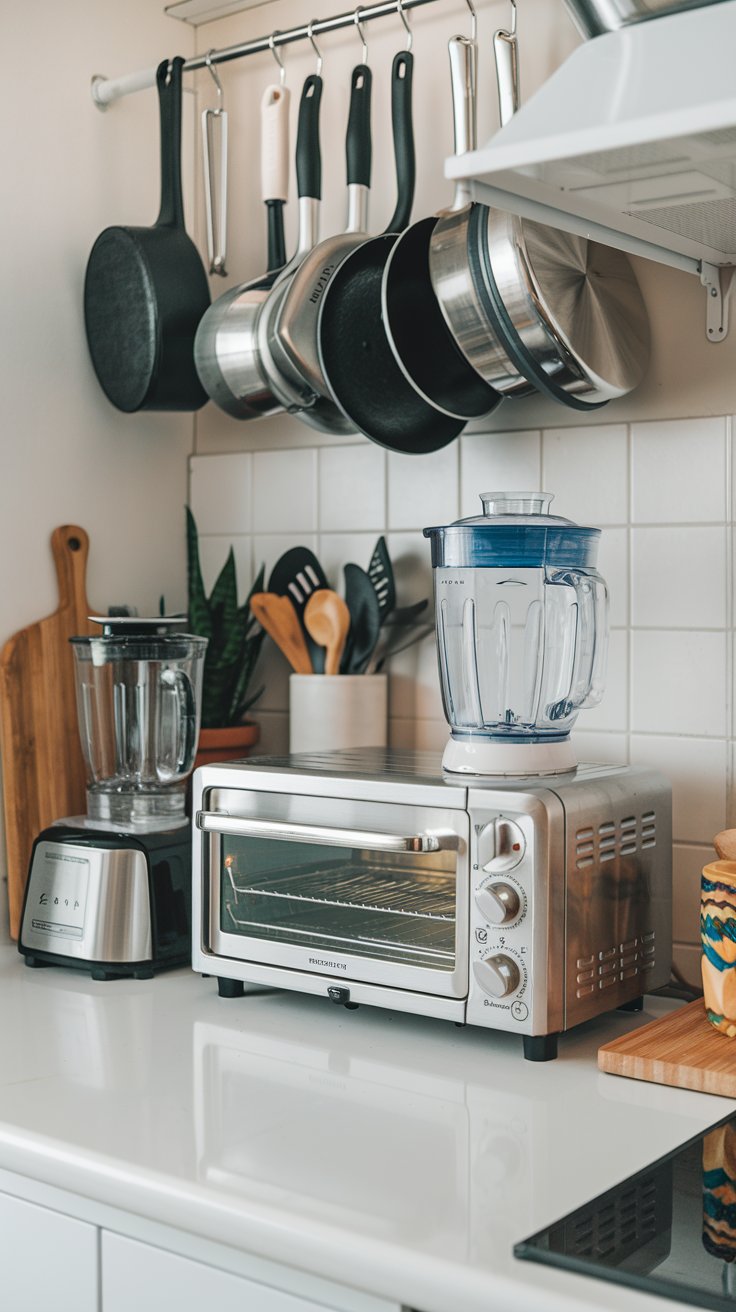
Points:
[[297, 574]]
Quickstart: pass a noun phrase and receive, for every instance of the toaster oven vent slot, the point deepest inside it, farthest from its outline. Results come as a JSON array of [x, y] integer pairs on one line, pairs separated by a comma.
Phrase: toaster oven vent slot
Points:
[[606, 968], [612, 839]]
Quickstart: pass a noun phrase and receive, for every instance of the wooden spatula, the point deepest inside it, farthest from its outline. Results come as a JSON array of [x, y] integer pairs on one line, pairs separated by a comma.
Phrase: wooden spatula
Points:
[[277, 616], [327, 621]]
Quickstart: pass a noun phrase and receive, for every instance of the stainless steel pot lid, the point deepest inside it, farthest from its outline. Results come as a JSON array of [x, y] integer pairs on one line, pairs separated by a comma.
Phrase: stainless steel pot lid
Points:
[[589, 299]]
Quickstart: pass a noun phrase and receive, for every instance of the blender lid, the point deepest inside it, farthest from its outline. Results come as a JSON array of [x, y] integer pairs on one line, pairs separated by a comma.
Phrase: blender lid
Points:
[[128, 626], [517, 529]]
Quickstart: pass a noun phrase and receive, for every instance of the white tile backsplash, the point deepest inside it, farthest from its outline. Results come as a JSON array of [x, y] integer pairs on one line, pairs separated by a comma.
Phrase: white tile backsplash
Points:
[[588, 471], [678, 471], [352, 488], [659, 491], [678, 682], [423, 490], [220, 493], [285, 491], [497, 462], [678, 577], [696, 768]]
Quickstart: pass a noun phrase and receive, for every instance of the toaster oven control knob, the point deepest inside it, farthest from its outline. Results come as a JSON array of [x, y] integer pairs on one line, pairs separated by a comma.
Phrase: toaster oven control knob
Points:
[[497, 975], [498, 903], [501, 846]]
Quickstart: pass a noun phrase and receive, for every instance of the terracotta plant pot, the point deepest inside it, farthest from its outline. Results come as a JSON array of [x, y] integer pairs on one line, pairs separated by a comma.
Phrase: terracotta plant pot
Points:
[[226, 744]]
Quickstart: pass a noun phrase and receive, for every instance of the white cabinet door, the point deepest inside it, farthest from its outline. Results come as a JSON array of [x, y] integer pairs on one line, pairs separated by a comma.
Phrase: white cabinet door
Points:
[[138, 1276], [47, 1260]]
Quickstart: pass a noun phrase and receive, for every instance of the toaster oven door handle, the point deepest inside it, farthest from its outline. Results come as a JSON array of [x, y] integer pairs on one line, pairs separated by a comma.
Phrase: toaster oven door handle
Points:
[[432, 841]]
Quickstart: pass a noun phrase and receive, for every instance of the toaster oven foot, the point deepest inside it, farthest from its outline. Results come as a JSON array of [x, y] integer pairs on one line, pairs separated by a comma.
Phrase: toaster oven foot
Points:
[[230, 988], [634, 1004], [540, 1047]]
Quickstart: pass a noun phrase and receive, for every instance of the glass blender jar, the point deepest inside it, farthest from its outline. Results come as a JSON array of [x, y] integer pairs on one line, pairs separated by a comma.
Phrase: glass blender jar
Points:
[[139, 689], [522, 634]]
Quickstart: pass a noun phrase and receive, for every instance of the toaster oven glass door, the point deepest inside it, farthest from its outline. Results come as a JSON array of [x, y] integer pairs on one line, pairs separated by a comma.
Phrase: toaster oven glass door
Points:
[[383, 899]]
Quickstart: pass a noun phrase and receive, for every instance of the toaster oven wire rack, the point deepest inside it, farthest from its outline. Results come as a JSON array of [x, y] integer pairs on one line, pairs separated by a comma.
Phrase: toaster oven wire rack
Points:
[[384, 912]]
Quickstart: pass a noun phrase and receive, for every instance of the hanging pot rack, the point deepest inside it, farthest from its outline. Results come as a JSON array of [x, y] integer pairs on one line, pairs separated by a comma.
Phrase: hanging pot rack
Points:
[[105, 89]]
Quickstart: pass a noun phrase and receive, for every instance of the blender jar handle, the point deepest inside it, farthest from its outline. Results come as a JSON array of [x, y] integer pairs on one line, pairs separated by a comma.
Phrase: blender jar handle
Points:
[[589, 674], [187, 719]]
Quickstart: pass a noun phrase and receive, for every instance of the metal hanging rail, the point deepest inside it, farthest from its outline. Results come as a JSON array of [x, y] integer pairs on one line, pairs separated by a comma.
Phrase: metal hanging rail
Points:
[[105, 90]]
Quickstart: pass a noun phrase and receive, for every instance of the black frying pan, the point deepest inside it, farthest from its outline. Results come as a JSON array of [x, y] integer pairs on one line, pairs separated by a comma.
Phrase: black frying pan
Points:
[[146, 290], [358, 364]]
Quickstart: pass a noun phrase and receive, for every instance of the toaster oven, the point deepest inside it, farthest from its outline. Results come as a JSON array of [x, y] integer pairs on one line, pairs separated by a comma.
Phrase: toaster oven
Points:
[[527, 905]]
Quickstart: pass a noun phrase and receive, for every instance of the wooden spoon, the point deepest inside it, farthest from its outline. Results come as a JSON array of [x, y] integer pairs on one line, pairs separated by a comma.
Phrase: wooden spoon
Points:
[[277, 616], [725, 844], [327, 621]]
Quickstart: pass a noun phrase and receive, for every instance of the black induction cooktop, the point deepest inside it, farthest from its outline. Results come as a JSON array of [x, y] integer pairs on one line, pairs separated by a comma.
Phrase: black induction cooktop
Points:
[[668, 1230]]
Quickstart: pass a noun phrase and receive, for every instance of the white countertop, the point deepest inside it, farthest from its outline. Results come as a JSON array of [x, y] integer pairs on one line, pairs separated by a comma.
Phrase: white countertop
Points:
[[396, 1154]]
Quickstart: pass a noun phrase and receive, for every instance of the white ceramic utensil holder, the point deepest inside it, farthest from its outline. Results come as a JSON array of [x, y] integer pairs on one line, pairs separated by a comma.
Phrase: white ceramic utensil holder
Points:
[[332, 711]]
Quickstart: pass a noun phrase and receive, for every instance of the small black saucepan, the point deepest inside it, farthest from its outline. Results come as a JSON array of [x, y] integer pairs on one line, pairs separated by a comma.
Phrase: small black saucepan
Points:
[[146, 290]]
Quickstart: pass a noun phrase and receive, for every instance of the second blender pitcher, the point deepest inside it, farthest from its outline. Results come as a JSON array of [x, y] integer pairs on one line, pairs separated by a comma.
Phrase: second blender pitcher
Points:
[[138, 699]]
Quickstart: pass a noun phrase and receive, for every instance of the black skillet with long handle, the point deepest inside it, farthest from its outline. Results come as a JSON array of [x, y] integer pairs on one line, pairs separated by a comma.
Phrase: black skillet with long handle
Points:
[[362, 373], [145, 289], [418, 334]]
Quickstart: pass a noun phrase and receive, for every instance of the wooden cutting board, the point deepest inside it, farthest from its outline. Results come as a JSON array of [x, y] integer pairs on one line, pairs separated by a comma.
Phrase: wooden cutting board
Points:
[[43, 769], [682, 1049]]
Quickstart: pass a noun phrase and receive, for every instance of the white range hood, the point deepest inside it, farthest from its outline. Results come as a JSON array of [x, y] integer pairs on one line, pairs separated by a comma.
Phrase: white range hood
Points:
[[633, 142]]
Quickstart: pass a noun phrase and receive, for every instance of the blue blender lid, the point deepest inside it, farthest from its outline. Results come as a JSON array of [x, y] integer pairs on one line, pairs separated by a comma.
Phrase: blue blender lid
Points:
[[514, 529]]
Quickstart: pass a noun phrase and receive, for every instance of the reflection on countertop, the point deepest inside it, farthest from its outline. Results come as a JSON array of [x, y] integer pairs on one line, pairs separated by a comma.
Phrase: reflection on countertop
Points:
[[422, 1150]]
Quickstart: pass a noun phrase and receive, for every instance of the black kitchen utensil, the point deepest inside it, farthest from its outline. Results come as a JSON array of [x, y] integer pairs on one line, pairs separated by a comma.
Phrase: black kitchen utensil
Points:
[[297, 574], [363, 375], [393, 640], [381, 574], [365, 620], [145, 290], [403, 615]]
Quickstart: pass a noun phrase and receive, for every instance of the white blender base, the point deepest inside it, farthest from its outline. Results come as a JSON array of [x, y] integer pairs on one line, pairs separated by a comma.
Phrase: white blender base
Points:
[[483, 757]]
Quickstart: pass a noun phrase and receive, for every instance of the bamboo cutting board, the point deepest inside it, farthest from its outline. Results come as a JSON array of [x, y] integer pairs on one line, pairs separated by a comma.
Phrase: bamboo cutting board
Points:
[[681, 1049], [43, 769]]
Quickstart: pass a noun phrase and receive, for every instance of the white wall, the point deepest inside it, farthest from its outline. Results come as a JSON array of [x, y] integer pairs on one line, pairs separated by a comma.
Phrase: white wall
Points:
[[68, 171], [654, 471]]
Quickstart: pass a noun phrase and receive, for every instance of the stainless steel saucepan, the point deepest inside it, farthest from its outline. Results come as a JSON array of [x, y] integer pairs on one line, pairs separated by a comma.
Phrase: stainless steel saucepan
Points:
[[227, 351], [527, 303], [296, 328], [594, 17]]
